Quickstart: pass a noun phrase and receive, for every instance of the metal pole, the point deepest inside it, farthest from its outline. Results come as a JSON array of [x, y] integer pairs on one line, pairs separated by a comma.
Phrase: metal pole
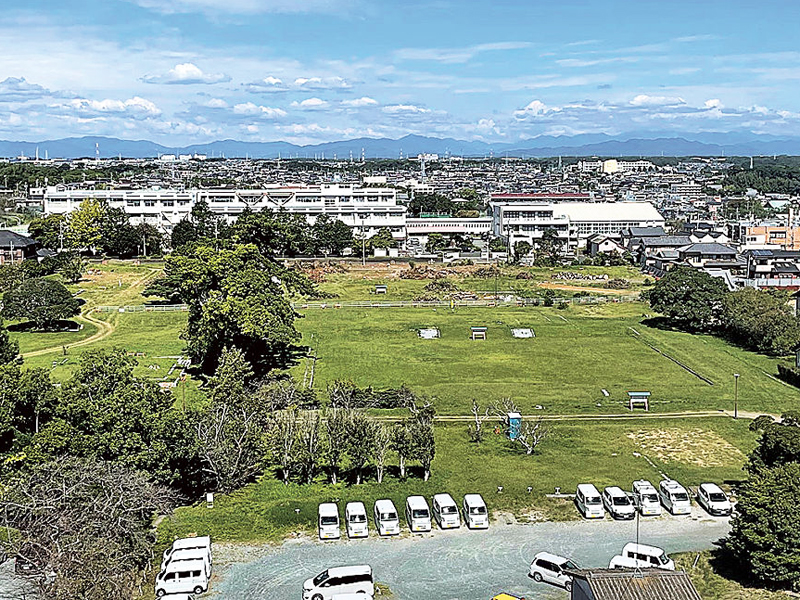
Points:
[[736, 396]]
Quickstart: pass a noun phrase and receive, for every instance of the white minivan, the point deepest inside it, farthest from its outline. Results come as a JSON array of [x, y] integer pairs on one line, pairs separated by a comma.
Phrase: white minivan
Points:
[[618, 503], [476, 515], [339, 581], [184, 555], [355, 518], [551, 568], [200, 544], [418, 515], [588, 501], [674, 497], [329, 521], [641, 555], [711, 497], [445, 511], [646, 498], [387, 521], [187, 577]]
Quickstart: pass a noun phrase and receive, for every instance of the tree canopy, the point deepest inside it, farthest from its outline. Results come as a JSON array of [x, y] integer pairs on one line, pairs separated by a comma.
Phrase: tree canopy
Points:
[[689, 298], [41, 301]]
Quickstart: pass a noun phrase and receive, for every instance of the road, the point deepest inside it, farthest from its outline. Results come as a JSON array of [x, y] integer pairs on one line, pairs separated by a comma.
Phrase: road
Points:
[[462, 564]]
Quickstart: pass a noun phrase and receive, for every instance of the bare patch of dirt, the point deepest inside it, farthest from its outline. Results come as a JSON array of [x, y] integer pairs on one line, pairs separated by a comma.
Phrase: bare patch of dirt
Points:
[[689, 446]]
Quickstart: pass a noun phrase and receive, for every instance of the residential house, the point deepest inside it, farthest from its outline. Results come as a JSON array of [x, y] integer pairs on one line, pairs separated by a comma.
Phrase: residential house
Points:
[[630, 584], [16, 248]]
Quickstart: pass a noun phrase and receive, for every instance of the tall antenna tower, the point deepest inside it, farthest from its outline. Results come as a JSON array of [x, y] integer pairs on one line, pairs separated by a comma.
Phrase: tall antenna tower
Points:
[[422, 162], [97, 152], [362, 155]]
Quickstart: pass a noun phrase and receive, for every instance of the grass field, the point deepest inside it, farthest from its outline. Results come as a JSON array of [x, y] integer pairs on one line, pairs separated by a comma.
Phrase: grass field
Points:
[[577, 352], [602, 453], [713, 586]]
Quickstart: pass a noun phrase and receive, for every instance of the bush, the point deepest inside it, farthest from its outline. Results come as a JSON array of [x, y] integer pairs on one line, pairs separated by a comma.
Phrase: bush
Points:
[[789, 373]]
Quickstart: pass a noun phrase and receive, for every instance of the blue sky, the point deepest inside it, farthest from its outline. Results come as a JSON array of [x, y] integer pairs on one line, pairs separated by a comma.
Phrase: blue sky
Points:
[[305, 71]]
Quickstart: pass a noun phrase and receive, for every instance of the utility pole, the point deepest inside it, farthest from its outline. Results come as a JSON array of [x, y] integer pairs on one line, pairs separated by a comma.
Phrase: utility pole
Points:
[[736, 396]]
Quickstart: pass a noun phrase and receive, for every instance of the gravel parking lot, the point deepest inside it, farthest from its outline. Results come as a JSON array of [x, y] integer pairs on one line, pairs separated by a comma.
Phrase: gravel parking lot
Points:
[[455, 565]]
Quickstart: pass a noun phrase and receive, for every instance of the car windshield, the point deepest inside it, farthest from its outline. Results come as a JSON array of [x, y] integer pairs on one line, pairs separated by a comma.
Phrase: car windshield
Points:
[[390, 516], [449, 510], [717, 497], [590, 500], [663, 559], [569, 565], [650, 497], [329, 521], [358, 518], [621, 501], [477, 510], [680, 497], [320, 578], [419, 514]]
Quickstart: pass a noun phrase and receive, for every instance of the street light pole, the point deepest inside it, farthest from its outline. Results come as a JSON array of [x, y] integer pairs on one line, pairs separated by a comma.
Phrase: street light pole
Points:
[[736, 396]]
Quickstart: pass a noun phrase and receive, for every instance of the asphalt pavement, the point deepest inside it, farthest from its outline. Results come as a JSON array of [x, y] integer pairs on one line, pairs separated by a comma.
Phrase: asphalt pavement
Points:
[[459, 564]]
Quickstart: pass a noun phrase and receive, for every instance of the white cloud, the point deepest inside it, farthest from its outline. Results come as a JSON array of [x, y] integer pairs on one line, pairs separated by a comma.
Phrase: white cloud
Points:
[[645, 100], [396, 109], [216, 103], [360, 102], [457, 55], [187, 74], [17, 89], [713, 103], [534, 109], [241, 6], [311, 103], [252, 110], [135, 107], [322, 83]]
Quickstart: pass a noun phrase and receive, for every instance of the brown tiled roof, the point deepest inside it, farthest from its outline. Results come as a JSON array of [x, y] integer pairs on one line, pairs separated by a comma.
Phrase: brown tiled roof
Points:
[[640, 584]]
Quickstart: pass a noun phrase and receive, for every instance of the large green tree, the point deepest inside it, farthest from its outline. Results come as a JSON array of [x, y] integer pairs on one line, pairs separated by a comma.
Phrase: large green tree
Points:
[[237, 297], [9, 349], [50, 231], [761, 320], [330, 236], [689, 298], [86, 225], [41, 301]]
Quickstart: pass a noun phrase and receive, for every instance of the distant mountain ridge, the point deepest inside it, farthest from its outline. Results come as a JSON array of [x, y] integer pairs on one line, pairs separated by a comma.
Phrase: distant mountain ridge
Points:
[[640, 144]]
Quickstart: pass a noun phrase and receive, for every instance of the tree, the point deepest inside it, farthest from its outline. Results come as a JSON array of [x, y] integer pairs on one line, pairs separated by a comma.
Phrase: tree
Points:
[[383, 442], [423, 444], [149, 239], [779, 443], [9, 349], [436, 243], [382, 239], [521, 250], [118, 236], [309, 432], [498, 244], [42, 301], [283, 439], [86, 225], [87, 521], [49, 231], [182, 234], [330, 236], [689, 298], [475, 430], [765, 532], [531, 434], [72, 268], [403, 444], [361, 432], [761, 320], [334, 423], [549, 247]]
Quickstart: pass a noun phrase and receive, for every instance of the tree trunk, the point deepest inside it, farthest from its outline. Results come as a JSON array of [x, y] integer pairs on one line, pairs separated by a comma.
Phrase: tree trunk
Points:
[[380, 474], [427, 474], [285, 476], [402, 467], [333, 475], [358, 476]]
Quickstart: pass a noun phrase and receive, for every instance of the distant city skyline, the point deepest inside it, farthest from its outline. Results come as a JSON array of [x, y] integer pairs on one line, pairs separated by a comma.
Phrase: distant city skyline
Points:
[[192, 71]]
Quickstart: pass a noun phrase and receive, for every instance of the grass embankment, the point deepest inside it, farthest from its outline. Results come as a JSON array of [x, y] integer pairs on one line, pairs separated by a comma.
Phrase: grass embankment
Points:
[[577, 352], [602, 453], [713, 586]]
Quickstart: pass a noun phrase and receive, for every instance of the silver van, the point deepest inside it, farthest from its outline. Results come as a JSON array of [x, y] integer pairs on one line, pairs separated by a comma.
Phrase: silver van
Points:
[[588, 501], [418, 515]]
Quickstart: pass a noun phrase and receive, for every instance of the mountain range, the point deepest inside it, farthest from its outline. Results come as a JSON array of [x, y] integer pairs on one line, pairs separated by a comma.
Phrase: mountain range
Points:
[[640, 144]]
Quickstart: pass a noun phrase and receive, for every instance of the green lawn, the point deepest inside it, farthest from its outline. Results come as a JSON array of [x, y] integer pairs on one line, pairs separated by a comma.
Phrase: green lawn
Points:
[[601, 453], [713, 586], [577, 352]]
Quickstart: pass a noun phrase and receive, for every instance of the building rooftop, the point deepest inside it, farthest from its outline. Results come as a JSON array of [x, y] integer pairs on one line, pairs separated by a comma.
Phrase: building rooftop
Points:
[[639, 584], [9, 238]]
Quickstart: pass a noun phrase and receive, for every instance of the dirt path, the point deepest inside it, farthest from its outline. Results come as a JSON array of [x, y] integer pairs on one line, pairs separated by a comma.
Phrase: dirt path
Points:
[[689, 414], [577, 288], [104, 328]]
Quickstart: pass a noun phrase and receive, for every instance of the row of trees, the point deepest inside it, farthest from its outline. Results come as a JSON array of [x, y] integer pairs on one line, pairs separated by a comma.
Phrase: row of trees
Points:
[[97, 227], [764, 542], [695, 301]]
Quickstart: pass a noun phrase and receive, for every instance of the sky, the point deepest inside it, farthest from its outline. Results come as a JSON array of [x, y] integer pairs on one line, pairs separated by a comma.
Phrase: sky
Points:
[[305, 71]]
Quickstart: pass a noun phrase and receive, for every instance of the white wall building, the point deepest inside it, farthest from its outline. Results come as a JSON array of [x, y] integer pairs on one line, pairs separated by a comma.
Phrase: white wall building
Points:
[[365, 209], [421, 228], [574, 222]]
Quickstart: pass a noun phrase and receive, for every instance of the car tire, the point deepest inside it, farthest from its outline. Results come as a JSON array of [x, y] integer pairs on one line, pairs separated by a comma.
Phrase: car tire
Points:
[[160, 593], [568, 586], [317, 597], [537, 577], [198, 590]]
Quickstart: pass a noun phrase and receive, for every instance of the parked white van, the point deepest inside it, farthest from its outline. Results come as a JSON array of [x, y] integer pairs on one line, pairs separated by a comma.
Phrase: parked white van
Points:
[[418, 515], [338, 581], [641, 555], [387, 520], [183, 577], [184, 555], [445, 511], [646, 498], [617, 503], [329, 521], [711, 497], [588, 501], [355, 518], [476, 515], [674, 497], [200, 543]]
